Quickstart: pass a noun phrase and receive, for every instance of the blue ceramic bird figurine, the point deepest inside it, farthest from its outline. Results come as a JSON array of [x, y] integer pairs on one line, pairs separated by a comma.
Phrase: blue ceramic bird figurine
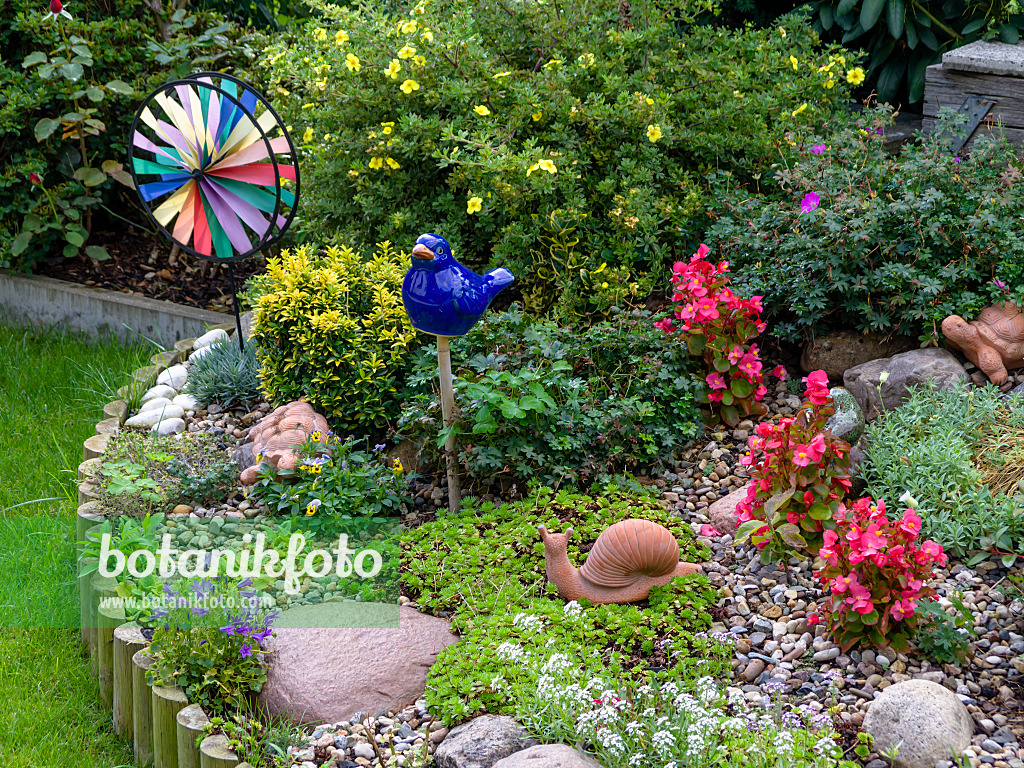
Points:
[[442, 296]]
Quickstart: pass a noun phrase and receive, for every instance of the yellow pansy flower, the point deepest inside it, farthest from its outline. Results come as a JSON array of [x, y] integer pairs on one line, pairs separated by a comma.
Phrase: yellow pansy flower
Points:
[[427, 36], [855, 76], [376, 163], [409, 86], [480, 109], [409, 27], [341, 37], [794, 62], [474, 204], [653, 133], [392, 164], [393, 69], [407, 52], [542, 165], [799, 109], [352, 62], [307, 136]]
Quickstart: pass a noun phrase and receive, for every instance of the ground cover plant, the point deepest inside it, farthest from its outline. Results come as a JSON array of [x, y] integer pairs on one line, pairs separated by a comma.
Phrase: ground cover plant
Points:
[[558, 404], [331, 329], [566, 143], [930, 454], [868, 240], [47, 410], [485, 568], [226, 375]]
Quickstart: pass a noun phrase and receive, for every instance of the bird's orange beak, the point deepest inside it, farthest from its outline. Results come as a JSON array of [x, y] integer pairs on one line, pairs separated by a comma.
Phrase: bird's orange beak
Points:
[[422, 252]]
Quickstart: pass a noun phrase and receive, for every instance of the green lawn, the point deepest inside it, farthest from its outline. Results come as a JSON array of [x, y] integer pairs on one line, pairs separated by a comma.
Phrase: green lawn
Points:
[[52, 389]]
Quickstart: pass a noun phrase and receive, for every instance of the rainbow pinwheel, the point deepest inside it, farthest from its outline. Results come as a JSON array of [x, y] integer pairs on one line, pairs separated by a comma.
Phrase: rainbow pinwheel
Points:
[[214, 166]]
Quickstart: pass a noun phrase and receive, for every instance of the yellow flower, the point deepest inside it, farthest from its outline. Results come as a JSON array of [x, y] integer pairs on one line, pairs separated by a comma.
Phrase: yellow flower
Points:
[[327, 137], [782, 31], [474, 204], [409, 27], [499, 75], [794, 62], [586, 60], [419, 61], [604, 285], [855, 76], [307, 136], [480, 109], [409, 86], [387, 128], [830, 84], [376, 163], [341, 37], [399, 468], [537, 116], [542, 165], [427, 36], [353, 173], [393, 69], [319, 34], [352, 62], [653, 133], [650, 101], [552, 64], [407, 52], [393, 164], [738, 94], [799, 109]]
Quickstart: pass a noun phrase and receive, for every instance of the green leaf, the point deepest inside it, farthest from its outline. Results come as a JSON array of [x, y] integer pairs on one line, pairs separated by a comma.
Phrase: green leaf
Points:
[[1008, 560], [121, 87], [826, 17], [97, 252], [91, 177], [75, 238], [727, 398], [889, 79], [36, 57], [870, 13], [730, 415], [95, 93], [696, 345], [1009, 33], [790, 534], [969, 29], [722, 365], [895, 14], [82, 50], [744, 531], [845, 6], [741, 387], [20, 243], [45, 127], [72, 71], [977, 558], [777, 501], [819, 511]]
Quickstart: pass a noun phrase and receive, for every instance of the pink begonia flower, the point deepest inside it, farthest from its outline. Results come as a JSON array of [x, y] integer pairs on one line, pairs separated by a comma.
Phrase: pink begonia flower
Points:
[[715, 397], [750, 365], [755, 303], [760, 392], [696, 287], [708, 531], [817, 149], [780, 373], [735, 355], [810, 202], [715, 380], [702, 251], [707, 309], [817, 387], [688, 312], [801, 455], [911, 523], [841, 583], [902, 609], [665, 324], [817, 447]]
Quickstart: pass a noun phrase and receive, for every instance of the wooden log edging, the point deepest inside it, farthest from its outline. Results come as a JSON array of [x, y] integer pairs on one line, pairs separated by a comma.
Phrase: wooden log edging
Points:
[[191, 721], [168, 701], [142, 709], [215, 752], [108, 617], [128, 640]]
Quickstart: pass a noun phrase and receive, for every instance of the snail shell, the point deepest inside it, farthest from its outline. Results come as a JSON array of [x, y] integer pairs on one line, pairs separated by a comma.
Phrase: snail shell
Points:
[[630, 549]]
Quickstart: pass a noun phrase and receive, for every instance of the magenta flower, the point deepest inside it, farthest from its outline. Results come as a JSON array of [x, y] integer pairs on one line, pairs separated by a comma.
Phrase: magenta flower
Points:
[[715, 381], [817, 149], [810, 202]]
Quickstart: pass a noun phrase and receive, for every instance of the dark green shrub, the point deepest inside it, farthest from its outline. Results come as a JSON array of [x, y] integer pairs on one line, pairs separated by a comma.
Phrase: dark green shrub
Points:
[[893, 243], [499, 579], [565, 141], [226, 375], [559, 404], [68, 91]]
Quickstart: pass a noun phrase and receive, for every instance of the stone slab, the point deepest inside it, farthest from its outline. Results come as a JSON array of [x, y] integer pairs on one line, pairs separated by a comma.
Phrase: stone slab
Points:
[[987, 58]]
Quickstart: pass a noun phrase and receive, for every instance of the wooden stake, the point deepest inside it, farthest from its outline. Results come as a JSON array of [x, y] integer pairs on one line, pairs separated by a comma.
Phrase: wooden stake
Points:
[[104, 620], [142, 710], [128, 641], [444, 364], [215, 752], [168, 701], [191, 721]]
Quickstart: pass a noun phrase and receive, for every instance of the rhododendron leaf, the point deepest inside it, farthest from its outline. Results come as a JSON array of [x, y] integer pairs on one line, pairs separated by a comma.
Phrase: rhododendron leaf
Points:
[[790, 534], [741, 387], [730, 415]]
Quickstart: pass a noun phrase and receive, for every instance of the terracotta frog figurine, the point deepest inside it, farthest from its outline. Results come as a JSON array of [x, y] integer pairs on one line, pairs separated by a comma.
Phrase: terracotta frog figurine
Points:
[[993, 342]]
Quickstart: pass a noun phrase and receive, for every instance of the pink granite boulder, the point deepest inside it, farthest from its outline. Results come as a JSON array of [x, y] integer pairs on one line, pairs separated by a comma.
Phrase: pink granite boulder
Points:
[[327, 675], [722, 513]]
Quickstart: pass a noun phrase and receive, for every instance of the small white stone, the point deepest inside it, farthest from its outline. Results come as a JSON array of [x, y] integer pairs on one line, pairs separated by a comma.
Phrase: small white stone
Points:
[[156, 404], [199, 354], [210, 337], [169, 426], [364, 750], [159, 390], [173, 377], [152, 416], [186, 401]]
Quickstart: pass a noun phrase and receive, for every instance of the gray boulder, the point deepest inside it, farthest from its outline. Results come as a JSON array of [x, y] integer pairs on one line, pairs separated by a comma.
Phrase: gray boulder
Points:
[[925, 721], [836, 353], [847, 423], [548, 756], [482, 742], [905, 370]]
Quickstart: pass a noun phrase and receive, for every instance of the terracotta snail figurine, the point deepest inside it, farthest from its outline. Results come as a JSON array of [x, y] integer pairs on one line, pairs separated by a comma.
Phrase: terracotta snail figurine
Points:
[[993, 342], [275, 439], [627, 559]]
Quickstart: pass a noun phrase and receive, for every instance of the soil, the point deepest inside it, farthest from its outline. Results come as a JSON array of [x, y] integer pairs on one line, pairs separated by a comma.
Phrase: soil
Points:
[[144, 265]]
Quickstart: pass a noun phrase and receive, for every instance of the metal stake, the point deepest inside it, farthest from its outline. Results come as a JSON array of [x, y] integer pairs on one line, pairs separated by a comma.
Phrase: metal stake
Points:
[[234, 298]]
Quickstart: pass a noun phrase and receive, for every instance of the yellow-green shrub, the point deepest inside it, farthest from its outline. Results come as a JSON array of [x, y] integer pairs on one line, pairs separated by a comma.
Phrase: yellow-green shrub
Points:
[[331, 328]]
